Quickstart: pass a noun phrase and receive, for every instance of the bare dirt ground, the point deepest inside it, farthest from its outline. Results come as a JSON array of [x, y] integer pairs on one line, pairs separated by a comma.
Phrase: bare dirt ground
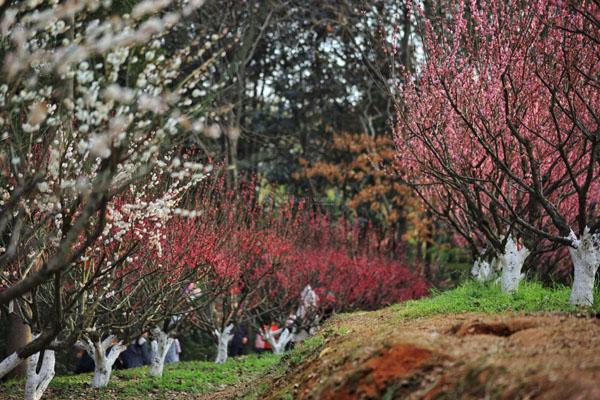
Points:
[[377, 355]]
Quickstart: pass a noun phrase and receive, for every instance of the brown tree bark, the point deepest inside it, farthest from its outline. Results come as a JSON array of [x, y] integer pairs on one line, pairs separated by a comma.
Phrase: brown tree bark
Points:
[[17, 336]]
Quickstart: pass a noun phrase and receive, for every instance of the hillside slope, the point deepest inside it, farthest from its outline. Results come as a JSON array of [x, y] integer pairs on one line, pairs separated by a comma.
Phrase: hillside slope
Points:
[[502, 353], [472, 342], [467, 356]]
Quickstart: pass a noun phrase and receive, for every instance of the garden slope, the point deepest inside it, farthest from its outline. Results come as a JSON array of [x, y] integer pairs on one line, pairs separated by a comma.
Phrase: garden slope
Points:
[[382, 354]]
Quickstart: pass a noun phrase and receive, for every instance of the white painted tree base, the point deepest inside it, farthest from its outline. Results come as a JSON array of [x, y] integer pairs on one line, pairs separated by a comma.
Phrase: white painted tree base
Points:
[[37, 382], [163, 343], [223, 342], [278, 345], [9, 363], [508, 265], [585, 254], [103, 362], [511, 263], [483, 271]]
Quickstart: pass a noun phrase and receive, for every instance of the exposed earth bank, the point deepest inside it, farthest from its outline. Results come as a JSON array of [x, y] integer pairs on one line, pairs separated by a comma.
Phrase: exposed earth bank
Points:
[[379, 355]]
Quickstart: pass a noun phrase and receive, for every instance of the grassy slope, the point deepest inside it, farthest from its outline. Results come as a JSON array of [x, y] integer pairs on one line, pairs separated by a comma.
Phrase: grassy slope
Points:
[[255, 373], [475, 297], [191, 377], [470, 297]]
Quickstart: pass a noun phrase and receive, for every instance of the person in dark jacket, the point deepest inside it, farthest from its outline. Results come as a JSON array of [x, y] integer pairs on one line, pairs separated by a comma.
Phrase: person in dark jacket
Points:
[[85, 363], [138, 353], [239, 342]]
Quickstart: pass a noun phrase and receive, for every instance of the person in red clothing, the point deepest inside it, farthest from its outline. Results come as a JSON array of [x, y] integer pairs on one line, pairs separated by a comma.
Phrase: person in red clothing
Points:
[[265, 343]]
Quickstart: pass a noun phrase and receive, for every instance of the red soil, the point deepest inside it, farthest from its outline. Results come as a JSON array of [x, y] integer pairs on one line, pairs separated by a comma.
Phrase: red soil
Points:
[[395, 363], [465, 356]]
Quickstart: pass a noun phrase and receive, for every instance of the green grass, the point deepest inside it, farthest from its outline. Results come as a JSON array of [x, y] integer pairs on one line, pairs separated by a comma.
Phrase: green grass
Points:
[[190, 377], [473, 296], [182, 380], [307, 348]]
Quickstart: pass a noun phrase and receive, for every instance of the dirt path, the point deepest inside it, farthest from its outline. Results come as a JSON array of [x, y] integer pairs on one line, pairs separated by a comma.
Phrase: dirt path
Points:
[[465, 356]]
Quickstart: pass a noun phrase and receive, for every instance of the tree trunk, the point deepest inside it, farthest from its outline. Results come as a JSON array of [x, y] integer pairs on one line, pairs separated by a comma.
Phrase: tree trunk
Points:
[[103, 361], [585, 254], [18, 335], [223, 342], [9, 363], [102, 372], [482, 270], [278, 345], [39, 343], [232, 165], [511, 262], [405, 42], [37, 382], [163, 343]]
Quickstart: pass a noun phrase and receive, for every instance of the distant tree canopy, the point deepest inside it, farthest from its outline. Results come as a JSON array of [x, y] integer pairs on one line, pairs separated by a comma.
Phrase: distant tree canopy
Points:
[[300, 70], [353, 169]]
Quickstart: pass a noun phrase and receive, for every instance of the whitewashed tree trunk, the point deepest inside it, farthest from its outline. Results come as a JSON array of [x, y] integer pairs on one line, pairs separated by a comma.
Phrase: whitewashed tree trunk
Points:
[[223, 341], [9, 363], [511, 263], [278, 345], [163, 343], [308, 302], [103, 362], [482, 270], [585, 254], [37, 382]]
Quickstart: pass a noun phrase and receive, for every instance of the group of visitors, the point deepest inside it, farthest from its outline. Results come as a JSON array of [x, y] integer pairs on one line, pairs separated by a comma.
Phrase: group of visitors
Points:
[[301, 325], [239, 344], [261, 344]]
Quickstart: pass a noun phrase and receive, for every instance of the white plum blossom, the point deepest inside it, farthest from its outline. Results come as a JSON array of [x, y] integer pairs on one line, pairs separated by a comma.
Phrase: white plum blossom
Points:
[[213, 131], [101, 118]]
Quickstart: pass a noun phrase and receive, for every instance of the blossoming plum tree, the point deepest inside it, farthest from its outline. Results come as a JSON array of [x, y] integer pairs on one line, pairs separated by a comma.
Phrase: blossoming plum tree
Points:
[[92, 103], [499, 130], [171, 297], [107, 297], [243, 247]]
